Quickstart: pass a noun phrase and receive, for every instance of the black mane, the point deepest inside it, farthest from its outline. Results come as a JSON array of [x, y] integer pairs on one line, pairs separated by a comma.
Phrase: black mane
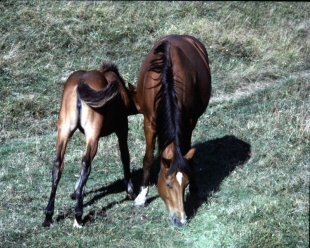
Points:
[[109, 66], [168, 113]]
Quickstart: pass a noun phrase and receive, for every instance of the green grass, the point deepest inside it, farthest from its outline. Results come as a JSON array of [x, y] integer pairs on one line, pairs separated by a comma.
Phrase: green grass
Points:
[[252, 158]]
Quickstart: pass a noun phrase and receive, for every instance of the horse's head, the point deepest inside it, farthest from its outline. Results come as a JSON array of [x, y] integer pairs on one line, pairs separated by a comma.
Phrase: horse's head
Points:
[[171, 186]]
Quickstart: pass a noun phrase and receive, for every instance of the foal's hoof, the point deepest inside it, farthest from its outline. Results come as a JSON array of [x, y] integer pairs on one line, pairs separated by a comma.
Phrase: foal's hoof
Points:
[[130, 192], [73, 196], [47, 223], [131, 196]]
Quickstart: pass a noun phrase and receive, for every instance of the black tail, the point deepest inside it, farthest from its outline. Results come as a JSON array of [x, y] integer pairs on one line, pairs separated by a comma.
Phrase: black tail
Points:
[[168, 112], [97, 98]]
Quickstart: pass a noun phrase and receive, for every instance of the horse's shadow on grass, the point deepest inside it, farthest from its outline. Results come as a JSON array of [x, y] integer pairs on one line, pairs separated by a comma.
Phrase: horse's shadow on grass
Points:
[[214, 161]]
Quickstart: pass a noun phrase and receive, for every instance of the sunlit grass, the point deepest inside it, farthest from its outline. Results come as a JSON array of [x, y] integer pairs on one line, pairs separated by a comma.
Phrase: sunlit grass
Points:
[[252, 159]]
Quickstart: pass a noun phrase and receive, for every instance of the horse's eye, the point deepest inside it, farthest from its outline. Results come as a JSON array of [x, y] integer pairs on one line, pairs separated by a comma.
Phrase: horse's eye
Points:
[[169, 185], [165, 162]]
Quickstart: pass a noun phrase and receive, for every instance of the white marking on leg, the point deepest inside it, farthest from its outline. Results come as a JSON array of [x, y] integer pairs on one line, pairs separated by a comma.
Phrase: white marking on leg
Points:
[[77, 183], [179, 177], [129, 187], [141, 198], [76, 224]]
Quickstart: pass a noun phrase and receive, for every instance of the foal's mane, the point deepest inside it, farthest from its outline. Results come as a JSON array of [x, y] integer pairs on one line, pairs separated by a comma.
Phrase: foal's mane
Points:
[[109, 66], [168, 113]]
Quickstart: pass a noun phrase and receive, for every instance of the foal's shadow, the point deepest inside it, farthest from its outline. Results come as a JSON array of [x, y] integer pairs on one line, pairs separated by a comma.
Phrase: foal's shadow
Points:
[[114, 188], [214, 161]]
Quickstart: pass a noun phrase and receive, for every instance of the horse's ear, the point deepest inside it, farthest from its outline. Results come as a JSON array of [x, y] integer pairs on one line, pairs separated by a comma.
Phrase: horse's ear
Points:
[[189, 155], [166, 162], [132, 88]]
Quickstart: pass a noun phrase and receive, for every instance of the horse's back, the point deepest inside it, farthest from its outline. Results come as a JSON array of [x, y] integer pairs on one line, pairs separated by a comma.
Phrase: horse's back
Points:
[[192, 77]]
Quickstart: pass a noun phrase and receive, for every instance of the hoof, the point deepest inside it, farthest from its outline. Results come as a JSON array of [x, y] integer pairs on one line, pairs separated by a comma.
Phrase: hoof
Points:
[[140, 201], [73, 196], [76, 224], [131, 196], [47, 223], [141, 198]]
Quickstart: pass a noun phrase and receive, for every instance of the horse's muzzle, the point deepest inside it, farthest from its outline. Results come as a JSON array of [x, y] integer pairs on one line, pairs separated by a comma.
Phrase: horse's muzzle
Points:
[[177, 221]]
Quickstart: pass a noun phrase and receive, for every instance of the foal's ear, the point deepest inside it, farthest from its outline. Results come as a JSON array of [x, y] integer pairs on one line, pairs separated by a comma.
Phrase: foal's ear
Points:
[[189, 155]]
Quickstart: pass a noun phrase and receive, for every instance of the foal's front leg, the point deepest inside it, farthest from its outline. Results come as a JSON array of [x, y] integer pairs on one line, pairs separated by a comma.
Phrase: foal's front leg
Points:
[[150, 138], [122, 136]]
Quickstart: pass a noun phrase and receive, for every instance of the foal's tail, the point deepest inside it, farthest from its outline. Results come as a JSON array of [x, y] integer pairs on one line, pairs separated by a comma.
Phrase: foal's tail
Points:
[[97, 98]]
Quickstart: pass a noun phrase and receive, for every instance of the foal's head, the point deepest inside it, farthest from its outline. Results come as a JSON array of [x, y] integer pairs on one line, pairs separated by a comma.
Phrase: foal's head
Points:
[[172, 184]]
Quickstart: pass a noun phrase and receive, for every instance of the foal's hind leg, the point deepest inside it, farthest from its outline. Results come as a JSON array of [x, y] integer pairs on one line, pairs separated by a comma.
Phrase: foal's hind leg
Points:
[[91, 149], [67, 124], [58, 167], [125, 157]]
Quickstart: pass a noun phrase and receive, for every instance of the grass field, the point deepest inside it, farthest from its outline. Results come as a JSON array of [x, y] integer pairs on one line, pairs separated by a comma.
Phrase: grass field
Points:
[[253, 141]]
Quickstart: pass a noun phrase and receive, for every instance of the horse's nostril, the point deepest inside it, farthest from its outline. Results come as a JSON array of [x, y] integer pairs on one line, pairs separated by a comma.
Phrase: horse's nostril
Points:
[[177, 222]]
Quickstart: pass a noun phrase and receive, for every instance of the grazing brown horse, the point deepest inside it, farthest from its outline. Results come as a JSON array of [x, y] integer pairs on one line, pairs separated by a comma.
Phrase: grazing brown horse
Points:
[[173, 91], [98, 104]]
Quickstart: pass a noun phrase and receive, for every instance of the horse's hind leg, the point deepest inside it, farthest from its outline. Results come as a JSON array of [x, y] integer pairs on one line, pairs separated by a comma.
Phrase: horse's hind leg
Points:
[[125, 157], [91, 149]]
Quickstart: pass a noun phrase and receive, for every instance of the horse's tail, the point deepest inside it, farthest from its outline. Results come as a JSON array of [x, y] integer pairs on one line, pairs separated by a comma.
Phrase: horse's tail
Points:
[[168, 112], [97, 98]]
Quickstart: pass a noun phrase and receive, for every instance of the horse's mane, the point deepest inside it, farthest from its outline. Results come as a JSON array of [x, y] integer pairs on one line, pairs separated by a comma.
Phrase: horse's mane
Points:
[[168, 113]]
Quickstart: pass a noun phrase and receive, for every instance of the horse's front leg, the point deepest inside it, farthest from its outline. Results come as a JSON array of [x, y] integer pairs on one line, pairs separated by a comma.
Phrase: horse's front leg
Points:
[[122, 136], [193, 188], [91, 149], [150, 138]]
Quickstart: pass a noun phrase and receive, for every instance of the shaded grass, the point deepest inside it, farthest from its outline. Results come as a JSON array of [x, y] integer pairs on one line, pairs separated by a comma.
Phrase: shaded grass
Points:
[[252, 159]]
